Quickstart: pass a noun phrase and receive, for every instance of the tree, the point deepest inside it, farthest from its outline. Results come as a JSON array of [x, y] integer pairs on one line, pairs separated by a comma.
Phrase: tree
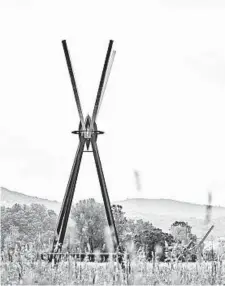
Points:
[[151, 239], [90, 223], [181, 232], [121, 223], [31, 222]]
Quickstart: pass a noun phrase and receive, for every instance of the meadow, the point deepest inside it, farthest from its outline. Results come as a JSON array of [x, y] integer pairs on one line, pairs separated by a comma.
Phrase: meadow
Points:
[[155, 257], [25, 267]]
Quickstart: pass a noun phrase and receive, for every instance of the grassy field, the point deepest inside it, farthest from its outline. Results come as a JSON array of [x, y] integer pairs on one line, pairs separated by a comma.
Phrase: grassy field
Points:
[[26, 269]]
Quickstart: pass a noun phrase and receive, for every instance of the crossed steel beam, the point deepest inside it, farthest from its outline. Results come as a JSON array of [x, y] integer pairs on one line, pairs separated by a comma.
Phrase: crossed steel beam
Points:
[[88, 133]]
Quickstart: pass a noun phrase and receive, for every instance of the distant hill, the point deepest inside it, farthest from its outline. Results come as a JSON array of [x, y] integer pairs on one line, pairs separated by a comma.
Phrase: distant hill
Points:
[[9, 198], [160, 212], [171, 207], [163, 212]]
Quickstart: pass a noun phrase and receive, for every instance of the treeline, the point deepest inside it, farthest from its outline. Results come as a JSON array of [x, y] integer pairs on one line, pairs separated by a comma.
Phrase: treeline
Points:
[[90, 220], [35, 224]]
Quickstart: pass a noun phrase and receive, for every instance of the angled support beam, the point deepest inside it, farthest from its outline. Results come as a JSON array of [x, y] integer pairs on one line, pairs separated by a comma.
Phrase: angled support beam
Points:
[[101, 84], [73, 185], [73, 174], [204, 237], [73, 82], [68, 198], [104, 191], [106, 80]]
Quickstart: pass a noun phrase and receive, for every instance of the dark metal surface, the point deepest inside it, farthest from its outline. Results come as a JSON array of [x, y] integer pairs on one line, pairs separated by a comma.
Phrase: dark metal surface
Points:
[[101, 84], [69, 185], [205, 236], [100, 257], [73, 185], [68, 198], [111, 60], [104, 191], [73, 82]]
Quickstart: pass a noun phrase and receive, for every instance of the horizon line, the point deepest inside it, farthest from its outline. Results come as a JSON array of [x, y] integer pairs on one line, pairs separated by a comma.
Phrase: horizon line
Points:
[[120, 200]]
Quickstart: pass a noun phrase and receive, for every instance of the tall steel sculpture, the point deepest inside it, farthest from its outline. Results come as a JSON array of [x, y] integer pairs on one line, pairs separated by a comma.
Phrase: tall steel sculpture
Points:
[[88, 133]]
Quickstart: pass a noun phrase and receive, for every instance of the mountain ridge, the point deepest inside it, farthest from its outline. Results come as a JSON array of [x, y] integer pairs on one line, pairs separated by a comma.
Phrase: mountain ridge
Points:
[[166, 199], [160, 212], [119, 201]]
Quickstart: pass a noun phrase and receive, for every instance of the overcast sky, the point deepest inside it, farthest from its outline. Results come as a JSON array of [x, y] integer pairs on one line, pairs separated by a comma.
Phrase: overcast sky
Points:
[[163, 110]]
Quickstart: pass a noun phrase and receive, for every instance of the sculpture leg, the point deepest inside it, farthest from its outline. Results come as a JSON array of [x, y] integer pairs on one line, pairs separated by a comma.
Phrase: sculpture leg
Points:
[[105, 195], [68, 198]]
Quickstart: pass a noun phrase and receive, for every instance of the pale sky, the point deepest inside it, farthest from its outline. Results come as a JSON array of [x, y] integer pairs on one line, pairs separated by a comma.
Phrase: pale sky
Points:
[[163, 110]]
